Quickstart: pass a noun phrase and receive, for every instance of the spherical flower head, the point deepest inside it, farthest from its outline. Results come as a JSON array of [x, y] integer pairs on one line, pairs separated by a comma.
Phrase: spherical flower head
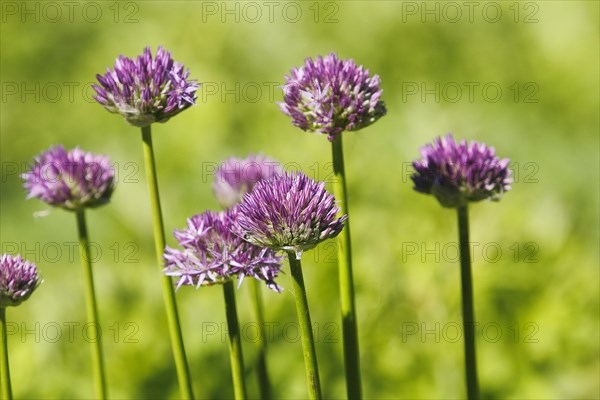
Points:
[[71, 180], [458, 173], [18, 279], [213, 253], [145, 90], [330, 96], [290, 212], [237, 176]]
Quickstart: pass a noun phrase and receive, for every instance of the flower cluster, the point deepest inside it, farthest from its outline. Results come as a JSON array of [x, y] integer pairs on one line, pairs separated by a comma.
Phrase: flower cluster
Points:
[[146, 90], [237, 176], [290, 212], [330, 95], [18, 279], [71, 180], [213, 253], [457, 173]]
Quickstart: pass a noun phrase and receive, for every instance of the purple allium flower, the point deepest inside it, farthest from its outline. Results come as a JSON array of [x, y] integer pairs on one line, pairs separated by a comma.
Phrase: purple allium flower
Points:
[[330, 95], [18, 279], [457, 173], [71, 180], [237, 176], [213, 253], [290, 212], [146, 90]]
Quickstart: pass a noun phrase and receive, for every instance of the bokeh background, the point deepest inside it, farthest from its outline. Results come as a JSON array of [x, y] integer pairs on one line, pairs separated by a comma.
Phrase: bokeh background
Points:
[[533, 71]]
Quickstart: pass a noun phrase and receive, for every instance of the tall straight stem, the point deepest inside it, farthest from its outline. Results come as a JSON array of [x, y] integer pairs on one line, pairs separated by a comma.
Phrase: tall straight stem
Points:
[[183, 372], [5, 378], [467, 303], [308, 342], [235, 342], [92, 308], [264, 383], [348, 306]]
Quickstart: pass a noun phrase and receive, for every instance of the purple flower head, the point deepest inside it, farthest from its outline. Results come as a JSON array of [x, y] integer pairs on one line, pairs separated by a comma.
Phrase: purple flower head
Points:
[[213, 253], [237, 176], [145, 89], [71, 180], [18, 279], [330, 96], [290, 212], [457, 173]]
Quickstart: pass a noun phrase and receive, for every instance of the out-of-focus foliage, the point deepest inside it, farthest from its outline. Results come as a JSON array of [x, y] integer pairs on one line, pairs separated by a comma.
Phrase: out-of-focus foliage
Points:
[[526, 84]]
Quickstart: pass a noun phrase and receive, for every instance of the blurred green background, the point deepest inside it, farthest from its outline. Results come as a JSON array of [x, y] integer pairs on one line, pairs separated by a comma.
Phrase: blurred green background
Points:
[[533, 70]]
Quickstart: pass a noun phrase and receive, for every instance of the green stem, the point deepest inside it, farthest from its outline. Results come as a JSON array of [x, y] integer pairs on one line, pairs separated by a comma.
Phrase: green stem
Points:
[[348, 306], [235, 342], [183, 373], [467, 303], [92, 308], [308, 342], [6, 389], [264, 383]]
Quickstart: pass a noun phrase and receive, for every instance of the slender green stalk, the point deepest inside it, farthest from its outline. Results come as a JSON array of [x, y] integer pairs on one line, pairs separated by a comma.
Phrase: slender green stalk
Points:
[[264, 384], [235, 342], [183, 372], [348, 306], [308, 342], [92, 308], [6, 389], [467, 303]]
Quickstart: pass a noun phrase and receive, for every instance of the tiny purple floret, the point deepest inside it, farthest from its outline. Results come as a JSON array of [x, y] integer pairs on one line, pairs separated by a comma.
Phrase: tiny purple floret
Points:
[[290, 212], [237, 176], [329, 96], [213, 253], [72, 179], [145, 90], [458, 173], [18, 279]]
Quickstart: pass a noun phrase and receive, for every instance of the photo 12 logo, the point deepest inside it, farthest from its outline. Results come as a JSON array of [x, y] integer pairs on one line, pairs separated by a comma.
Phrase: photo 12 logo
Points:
[[70, 252], [47, 92], [53, 12], [72, 331], [490, 252], [452, 332], [319, 171], [252, 12], [521, 171], [290, 332], [238, 92], [471, 92], [127, 172], [470, 11]]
